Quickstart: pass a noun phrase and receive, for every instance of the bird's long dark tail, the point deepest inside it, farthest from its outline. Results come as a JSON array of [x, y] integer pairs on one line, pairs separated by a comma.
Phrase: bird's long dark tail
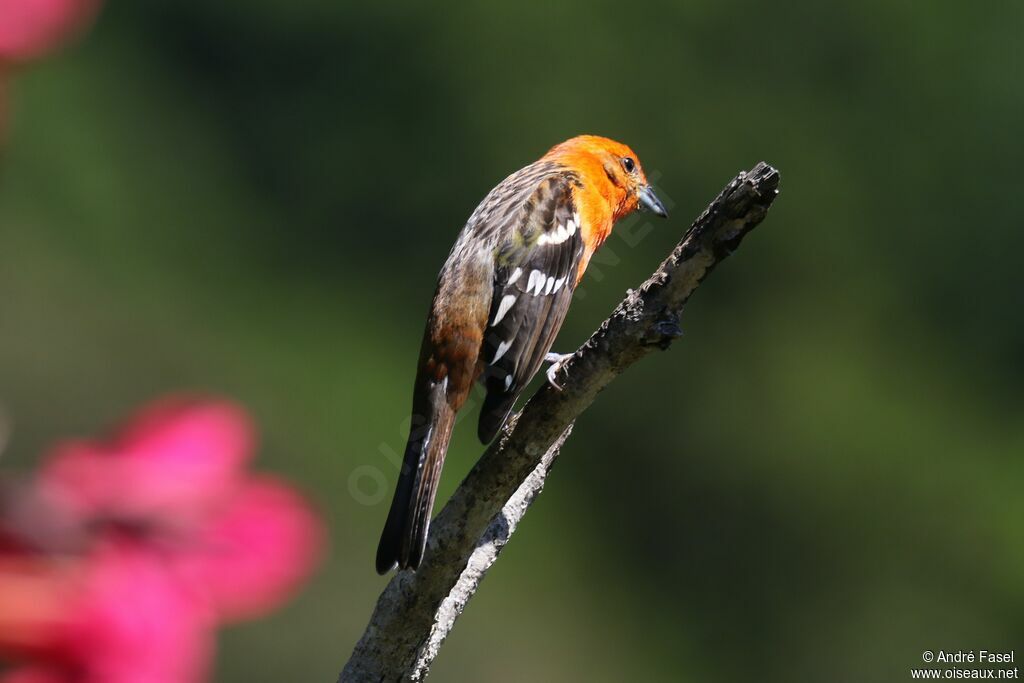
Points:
[[494, 414], [405, 533]]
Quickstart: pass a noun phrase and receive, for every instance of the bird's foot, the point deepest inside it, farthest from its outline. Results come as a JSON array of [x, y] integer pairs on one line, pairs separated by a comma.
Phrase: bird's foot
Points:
[[558, 361]]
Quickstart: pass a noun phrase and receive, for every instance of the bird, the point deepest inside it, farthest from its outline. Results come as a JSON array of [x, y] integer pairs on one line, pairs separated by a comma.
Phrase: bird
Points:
[[500, 300]]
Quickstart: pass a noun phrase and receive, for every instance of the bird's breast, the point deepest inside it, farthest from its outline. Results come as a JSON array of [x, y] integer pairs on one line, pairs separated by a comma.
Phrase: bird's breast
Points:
[[595, 224]]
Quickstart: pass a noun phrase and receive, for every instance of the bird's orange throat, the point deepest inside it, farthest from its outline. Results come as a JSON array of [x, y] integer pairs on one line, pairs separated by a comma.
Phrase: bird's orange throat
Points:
[[597, 219]]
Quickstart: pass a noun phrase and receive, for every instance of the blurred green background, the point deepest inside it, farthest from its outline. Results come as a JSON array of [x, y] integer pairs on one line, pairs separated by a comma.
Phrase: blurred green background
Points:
[[819, 481]]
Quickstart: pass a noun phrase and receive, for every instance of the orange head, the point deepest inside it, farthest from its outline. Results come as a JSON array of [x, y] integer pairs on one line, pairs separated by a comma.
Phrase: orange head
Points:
[[614, 168]]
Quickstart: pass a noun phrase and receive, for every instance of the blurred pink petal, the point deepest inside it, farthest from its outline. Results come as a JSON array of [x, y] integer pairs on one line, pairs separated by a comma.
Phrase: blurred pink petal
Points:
[[173, 455], [31, 28], [117, 617], [35, 674], [254, 555], [125, 554], [34, 595], [136, 622]]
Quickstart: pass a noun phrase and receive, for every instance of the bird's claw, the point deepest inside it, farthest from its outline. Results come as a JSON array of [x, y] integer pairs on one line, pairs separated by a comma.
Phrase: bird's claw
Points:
[[558, 361]]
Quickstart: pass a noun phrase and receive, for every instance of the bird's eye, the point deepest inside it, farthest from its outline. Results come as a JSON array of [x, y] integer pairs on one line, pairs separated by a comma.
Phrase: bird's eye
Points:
[[628, 164]]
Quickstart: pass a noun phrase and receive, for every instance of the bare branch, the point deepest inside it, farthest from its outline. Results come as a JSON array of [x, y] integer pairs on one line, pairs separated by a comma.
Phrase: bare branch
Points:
[[417, 610]]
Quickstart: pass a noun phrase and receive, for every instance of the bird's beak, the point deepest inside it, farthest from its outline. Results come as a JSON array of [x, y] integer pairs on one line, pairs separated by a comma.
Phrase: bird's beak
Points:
[[650, 202]]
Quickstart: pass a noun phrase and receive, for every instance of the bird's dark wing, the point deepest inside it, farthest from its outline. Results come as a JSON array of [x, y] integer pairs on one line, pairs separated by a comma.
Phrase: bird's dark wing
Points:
[[535, 274]]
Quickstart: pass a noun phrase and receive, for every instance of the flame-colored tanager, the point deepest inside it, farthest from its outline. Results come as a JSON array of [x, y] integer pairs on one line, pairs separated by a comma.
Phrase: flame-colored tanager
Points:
[[501, 297]]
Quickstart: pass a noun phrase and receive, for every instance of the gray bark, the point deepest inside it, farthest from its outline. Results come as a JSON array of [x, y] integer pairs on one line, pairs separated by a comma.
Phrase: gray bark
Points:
[[417, 610]]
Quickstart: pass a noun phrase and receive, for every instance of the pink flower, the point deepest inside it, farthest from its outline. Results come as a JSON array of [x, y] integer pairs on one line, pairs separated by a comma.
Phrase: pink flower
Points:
[[31, 28], [170, 538], [175, 456]]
